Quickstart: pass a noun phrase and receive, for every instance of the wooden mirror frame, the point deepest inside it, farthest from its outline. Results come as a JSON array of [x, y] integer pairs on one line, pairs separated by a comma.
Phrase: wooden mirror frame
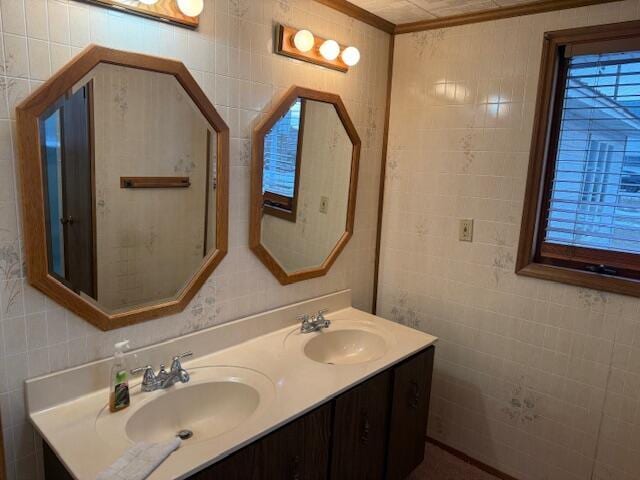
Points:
[[256, 200], [32, 176]]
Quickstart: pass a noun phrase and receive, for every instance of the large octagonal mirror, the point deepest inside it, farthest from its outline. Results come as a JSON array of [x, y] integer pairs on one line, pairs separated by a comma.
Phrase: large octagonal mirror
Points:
[[304, 180], [124, 179]]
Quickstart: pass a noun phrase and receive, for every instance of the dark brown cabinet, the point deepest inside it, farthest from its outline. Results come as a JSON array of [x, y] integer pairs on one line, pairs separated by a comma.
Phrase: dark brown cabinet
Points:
[[297, 451], [374, 431], [409, 411], [360, 425]]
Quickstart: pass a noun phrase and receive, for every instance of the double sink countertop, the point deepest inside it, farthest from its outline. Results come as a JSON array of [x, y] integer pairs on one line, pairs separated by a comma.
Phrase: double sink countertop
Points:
[[240, 389]]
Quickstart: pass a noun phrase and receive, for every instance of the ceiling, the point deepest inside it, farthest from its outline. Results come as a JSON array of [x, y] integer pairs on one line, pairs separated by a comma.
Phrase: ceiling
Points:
[[407, 11]]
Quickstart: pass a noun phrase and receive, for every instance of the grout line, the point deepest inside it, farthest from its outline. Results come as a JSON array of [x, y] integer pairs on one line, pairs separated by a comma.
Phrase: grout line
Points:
[[594, 460]]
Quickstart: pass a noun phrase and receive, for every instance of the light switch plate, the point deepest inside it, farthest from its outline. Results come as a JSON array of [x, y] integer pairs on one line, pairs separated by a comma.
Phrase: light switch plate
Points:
[[324, 204], [466, 230]]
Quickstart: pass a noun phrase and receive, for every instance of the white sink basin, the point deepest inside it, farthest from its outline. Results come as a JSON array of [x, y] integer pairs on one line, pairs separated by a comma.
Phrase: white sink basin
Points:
[[216, 401], [206, 410], [345, 346]]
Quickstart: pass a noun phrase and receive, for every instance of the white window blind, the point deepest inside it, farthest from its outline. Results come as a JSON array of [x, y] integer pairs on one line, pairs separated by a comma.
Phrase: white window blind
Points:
[[280, 153], [595, 191]]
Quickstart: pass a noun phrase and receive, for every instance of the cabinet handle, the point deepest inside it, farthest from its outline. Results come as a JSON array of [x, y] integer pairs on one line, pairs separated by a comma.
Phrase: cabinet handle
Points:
[[366, 427], [414, 399], [296, 468]]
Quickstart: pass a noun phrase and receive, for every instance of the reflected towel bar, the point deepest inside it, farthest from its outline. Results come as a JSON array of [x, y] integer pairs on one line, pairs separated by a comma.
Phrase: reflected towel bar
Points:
[[154, 182]]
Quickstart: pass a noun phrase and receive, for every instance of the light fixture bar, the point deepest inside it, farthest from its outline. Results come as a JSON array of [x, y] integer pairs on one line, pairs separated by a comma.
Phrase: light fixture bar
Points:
[[285, 46]]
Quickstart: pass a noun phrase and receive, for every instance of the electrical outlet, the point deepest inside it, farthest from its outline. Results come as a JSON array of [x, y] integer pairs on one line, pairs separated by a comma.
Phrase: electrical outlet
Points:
[[324, 204], [466, 230]]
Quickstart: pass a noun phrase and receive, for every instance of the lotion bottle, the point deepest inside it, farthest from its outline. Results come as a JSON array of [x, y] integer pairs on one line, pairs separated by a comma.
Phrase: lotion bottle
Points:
[[119, 383]]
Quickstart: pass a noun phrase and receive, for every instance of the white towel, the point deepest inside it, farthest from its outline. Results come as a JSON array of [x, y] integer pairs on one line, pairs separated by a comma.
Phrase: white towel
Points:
[[140, 461]]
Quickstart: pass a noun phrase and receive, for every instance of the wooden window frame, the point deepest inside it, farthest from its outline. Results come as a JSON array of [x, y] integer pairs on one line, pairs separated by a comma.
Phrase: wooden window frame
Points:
[[282, 206], [606, 270]]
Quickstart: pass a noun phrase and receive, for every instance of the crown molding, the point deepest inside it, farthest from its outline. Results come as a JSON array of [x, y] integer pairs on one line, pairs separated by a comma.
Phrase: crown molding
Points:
[[495, 14]]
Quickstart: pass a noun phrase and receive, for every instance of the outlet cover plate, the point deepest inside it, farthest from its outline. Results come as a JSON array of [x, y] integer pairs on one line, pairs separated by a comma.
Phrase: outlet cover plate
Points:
[[466, 230], [324, 204]]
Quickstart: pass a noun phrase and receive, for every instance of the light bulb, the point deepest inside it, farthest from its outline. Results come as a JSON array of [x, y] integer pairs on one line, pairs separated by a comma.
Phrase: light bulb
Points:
[[148, 2], [303, 40], [330, 49], [351, 56], [191, 8]]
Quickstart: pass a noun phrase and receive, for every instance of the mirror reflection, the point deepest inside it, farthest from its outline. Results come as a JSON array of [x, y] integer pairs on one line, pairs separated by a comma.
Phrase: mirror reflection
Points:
[[130, 187], [305, 184]]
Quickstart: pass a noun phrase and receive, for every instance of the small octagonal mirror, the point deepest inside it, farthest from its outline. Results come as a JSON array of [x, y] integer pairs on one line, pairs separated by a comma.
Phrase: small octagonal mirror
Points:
[[304, 181]]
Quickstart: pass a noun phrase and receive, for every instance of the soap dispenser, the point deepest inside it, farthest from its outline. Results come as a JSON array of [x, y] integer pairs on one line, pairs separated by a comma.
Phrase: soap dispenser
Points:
[[119, 382]]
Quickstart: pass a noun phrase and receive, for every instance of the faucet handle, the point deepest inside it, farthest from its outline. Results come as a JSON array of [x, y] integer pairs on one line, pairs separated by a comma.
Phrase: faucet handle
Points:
[[149, 378], [320, 318], [182, 355], [175, 363], [135, 371]]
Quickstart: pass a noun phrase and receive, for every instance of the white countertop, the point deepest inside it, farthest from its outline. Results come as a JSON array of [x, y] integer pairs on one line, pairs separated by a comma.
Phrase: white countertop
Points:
[[299, 384]]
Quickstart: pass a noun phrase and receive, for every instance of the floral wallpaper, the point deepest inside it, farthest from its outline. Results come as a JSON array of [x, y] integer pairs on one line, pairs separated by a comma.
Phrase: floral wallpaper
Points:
[[231, 57], [537, 379]]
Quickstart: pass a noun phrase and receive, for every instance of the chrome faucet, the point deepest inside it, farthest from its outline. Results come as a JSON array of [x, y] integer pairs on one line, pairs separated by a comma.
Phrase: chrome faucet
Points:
[[164, 379], [314, 323]]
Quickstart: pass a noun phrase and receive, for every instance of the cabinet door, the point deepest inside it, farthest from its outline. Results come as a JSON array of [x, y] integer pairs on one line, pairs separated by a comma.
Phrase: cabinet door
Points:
[[360, 430], [297, 451], [409, 414]]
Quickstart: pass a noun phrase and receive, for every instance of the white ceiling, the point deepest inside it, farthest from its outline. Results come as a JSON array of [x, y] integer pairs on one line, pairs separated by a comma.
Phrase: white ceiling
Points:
[[406, 11]]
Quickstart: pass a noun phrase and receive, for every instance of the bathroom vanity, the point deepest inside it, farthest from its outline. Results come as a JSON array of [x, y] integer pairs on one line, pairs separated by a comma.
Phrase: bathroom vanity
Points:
[[264, 401]]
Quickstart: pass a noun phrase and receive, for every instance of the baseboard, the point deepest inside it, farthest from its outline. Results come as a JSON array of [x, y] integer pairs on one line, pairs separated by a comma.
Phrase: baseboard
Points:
[[467, 459]]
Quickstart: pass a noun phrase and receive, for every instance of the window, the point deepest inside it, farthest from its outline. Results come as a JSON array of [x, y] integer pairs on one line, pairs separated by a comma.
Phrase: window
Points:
[[581, 220], [281, 173]]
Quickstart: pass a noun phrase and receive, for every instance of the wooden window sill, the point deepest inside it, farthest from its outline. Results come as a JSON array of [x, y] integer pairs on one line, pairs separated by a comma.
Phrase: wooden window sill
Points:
[[596, 281]]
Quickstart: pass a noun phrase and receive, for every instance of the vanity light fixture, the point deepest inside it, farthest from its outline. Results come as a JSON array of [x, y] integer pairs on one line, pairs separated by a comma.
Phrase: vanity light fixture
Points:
[[303, 45], [184, 13]]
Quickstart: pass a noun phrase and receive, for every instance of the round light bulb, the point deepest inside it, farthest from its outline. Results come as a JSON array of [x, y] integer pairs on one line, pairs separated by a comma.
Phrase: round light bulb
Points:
[[148, 2], [303, 40], [330, 49], [191, 8], [351, 56]]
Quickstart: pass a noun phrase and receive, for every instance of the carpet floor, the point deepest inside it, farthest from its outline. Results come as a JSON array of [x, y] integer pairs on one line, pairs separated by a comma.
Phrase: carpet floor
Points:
[[441, 465]]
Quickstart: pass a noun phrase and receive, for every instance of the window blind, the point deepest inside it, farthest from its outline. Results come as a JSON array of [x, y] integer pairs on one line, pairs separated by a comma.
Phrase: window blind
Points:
[[280, 153], [595, 190]]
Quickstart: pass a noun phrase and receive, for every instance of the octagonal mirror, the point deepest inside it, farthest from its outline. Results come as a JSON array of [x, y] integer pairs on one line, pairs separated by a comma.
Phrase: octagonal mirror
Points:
[[124, 170], [304, 181]]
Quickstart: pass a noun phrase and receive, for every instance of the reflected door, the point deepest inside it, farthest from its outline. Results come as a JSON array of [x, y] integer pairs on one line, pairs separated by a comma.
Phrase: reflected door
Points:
[[68, 168]]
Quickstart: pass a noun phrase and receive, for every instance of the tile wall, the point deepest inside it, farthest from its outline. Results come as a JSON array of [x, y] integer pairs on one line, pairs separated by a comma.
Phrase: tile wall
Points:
[[231, 57], [535, 378]]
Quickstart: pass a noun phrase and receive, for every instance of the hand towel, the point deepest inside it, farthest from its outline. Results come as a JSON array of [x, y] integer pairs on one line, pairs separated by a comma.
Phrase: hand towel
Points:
[[140, 461]]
